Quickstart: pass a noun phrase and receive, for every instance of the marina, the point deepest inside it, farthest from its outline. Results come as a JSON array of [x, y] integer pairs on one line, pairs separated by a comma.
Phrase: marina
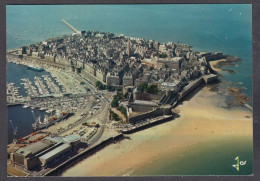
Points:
[[41, 87], [47, 94], [51, 85], [13, 95], [31, 90]]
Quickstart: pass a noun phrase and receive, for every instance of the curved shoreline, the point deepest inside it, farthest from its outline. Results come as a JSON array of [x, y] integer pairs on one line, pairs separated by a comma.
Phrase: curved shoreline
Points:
[[203, 119], [215, 65]]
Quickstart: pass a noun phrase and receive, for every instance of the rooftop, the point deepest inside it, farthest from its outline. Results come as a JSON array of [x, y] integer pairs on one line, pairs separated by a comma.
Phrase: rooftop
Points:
[[34, 148], [209, 76], [141, 102], [55, 151], [71, 138]]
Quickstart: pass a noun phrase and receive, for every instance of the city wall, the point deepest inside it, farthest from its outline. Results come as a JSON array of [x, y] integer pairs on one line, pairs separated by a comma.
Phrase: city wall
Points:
[[150, 114], [148, 125], [215, 56], [90, 69], [90, 77], [191, 87]]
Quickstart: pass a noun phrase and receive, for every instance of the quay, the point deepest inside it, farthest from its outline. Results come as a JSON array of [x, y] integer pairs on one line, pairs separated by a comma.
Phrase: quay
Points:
[[14, 104]]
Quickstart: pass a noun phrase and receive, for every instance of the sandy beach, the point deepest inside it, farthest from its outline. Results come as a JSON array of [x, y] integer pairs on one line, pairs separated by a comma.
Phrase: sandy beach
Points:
[[214, 64], [203, 119]]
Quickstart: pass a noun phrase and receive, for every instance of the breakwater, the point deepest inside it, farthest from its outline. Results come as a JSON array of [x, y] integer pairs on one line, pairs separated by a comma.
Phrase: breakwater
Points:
[[70, 26], [74, 160]]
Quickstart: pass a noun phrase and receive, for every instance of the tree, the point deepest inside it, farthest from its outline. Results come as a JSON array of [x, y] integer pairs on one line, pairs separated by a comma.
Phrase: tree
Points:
[[85, 123], [127, 68], [153, 89], [118, 90], [114, 116], [108, 87], [163, 55], [143, 86], [98, 83], [114, 102], [123, 111], [100, 86]]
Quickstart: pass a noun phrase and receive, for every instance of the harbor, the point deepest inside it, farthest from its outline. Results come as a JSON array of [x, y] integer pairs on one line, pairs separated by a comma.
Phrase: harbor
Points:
[[48, 95]]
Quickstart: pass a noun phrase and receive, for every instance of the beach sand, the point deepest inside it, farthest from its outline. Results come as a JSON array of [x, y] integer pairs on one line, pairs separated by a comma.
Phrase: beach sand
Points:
[[202, 120], [214, 64]]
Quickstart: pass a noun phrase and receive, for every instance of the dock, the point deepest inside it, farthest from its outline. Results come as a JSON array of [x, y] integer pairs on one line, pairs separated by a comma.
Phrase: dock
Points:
[[14, 104]]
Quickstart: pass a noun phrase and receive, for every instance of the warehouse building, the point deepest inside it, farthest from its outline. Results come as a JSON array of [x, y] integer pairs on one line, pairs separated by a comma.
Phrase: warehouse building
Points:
[[43, 152], [26, 156], [51, 155]]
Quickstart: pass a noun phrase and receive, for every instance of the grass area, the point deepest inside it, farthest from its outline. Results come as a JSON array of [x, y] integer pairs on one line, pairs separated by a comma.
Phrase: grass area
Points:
[[135, 114], [119, 114], [14, 172]]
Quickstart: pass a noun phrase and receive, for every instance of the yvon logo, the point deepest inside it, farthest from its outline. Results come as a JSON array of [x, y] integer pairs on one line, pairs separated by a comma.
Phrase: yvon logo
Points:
[[239, 163]]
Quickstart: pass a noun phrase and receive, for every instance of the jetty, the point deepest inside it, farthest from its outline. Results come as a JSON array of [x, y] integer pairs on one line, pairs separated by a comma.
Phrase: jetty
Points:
[[71, 27]]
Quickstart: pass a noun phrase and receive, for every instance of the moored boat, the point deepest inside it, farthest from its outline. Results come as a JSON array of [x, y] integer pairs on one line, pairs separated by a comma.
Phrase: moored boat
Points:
[[31, 67], [26, 106], [48, 121]]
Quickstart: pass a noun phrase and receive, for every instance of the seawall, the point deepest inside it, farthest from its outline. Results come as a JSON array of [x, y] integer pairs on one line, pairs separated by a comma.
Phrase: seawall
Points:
[[145, 126]]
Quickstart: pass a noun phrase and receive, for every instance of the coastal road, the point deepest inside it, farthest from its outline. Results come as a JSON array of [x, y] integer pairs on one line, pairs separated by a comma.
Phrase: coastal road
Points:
[[103, 115], [100, 117]]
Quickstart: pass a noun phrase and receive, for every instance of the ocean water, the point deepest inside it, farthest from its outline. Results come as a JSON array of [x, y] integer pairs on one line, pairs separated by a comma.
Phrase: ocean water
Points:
[[207, 27], [217, 159]]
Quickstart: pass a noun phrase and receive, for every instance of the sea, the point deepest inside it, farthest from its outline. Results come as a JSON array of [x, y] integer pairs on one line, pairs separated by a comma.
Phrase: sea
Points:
[[223, 28]]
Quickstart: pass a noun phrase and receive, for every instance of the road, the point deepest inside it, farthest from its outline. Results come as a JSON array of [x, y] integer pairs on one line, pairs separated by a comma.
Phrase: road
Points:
[[103, 115]]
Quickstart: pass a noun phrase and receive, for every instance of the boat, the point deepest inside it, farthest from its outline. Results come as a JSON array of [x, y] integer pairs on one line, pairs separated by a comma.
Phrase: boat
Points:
[[16, 36], [38, 69], [42, 108], [49, 111], [26, 106], [49, 121]]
